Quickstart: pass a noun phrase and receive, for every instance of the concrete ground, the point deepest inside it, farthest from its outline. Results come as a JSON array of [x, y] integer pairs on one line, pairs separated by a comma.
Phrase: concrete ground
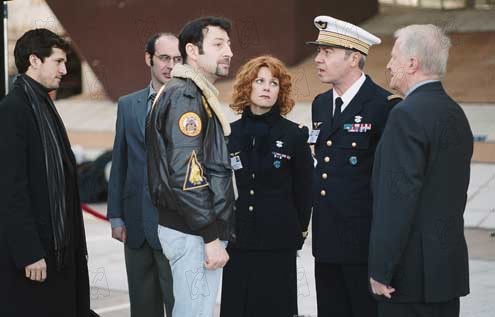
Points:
[[109, 285], [91, 123], [109, 288]]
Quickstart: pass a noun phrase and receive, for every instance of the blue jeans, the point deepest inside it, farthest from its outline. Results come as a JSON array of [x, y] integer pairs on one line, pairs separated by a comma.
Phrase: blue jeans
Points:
[[195, 287]]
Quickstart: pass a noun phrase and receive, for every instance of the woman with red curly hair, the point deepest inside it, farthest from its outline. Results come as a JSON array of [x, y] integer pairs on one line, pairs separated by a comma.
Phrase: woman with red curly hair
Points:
[[273, 168]]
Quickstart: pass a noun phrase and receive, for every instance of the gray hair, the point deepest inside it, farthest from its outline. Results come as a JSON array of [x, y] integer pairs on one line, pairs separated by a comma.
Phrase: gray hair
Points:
[[429, 44], [362, 57]]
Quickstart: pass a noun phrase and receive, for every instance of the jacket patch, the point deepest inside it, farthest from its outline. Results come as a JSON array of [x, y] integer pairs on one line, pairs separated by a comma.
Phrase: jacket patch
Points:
[[190, 124], [194, 176]]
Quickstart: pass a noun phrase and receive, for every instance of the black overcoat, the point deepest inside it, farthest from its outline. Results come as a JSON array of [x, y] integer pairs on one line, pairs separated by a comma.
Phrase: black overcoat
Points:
[[25, 226], [274, 186]]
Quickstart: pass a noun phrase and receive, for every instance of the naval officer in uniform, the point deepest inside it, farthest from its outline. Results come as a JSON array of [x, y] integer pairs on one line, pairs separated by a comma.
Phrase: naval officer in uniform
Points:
[[348, 121]]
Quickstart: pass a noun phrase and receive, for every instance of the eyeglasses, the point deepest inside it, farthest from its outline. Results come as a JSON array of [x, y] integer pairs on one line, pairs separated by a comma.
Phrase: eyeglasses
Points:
[[166, 59]]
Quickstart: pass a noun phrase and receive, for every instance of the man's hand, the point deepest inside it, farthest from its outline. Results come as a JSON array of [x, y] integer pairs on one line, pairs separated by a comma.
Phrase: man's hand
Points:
[[36, 271], [381, 289], [119, 233], [216, 256]]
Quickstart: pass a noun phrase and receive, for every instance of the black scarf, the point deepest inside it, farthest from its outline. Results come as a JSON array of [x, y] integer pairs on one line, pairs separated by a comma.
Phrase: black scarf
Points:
[[256, 129], [56, 146]]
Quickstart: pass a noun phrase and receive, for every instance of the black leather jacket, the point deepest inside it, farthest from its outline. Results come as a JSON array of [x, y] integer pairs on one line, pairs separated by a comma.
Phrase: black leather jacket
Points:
[[190, 177]]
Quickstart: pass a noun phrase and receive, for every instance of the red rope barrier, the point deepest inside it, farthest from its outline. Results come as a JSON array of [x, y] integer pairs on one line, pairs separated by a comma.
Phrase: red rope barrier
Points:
[[93, 212]]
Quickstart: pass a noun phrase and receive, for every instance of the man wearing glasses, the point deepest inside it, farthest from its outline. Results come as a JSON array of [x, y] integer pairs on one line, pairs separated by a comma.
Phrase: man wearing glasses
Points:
[[133, 217]]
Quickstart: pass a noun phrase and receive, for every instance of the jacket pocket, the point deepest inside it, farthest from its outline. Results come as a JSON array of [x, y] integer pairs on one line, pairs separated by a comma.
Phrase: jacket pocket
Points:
[[173, 243]]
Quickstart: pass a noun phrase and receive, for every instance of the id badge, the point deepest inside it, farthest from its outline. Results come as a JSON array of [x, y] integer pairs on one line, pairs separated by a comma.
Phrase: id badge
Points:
[[236, 163], [313, 136]]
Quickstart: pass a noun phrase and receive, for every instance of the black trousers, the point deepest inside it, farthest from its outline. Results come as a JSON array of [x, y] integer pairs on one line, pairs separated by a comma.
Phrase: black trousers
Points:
[[342, 291], [150, 281], [447, 309], [259, 284]]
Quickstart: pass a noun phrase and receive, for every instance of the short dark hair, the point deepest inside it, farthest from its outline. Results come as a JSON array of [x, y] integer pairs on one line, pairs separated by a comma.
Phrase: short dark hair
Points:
[[39, 42], [151, 43], [362, 57], [193, 32]]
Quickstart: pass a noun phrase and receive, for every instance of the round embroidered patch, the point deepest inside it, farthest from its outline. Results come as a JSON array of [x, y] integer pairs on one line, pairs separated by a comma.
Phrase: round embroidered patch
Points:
[[190, 124]]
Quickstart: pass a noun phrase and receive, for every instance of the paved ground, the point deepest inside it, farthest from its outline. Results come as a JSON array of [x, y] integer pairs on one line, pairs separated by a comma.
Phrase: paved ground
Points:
[[109, 296], [92, 122], [108, 279]]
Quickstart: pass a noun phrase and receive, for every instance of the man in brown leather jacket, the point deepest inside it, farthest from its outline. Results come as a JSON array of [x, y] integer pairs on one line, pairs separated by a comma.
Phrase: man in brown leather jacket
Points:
[[190, 177]]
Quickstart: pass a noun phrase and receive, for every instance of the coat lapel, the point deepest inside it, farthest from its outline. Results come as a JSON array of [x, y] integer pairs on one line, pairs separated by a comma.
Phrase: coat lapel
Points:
[[326, 114], [140, 105]]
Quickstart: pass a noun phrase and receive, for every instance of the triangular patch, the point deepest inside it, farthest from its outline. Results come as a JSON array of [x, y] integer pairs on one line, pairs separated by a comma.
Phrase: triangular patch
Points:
[[194, 176]]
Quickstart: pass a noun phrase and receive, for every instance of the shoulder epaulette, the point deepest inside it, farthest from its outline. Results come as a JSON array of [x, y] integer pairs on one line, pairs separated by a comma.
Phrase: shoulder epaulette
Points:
[[392, 97]]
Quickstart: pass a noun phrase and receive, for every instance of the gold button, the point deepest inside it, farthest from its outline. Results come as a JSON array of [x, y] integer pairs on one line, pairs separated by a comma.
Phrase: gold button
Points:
[[251, 192], [327, 159], [329, 143], [354, 144], [324, 175], [323, 193], [252, 176], [251, 208]]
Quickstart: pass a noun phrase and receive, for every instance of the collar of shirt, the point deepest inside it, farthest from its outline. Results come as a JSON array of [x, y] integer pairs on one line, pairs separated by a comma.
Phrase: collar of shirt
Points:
[[350, 93], [417, 85], [152, 91]]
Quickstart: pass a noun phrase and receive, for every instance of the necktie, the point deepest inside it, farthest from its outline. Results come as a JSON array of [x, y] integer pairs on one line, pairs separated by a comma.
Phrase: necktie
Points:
[[151, 100], [338, 110]]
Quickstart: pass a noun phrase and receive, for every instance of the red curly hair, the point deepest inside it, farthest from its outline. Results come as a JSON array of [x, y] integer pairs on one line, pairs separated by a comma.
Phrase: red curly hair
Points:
[[248, 73]]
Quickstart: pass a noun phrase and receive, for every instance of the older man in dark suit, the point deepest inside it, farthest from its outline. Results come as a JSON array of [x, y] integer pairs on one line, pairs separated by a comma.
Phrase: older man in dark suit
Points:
[[418, 260], [132, 214]]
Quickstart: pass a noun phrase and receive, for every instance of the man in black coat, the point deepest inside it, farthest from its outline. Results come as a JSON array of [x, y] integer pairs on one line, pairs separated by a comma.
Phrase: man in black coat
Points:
[[418, 260], [43, 268], [348, 121]]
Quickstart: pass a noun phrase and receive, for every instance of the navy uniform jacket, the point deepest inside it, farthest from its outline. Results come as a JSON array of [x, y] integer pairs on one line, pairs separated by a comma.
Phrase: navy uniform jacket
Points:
[[420, 182], [274, 186], [342, 205]]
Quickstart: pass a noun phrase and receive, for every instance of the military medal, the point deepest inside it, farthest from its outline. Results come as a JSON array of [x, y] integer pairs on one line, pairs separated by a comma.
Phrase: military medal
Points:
[[281, 156], [357, 127]]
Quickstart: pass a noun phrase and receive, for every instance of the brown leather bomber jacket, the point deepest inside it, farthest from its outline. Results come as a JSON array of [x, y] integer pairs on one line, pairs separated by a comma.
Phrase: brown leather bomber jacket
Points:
[[189, 172]]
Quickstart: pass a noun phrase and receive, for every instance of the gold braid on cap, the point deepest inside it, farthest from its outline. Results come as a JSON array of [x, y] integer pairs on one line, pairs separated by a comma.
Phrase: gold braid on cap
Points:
[[346, 41]]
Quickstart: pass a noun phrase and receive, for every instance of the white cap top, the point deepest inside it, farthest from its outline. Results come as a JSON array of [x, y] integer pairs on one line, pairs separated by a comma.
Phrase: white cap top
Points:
[[334, 32]]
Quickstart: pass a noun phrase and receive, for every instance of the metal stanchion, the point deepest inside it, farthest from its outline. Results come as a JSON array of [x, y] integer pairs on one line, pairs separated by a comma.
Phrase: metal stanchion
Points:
[[4, 46]]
